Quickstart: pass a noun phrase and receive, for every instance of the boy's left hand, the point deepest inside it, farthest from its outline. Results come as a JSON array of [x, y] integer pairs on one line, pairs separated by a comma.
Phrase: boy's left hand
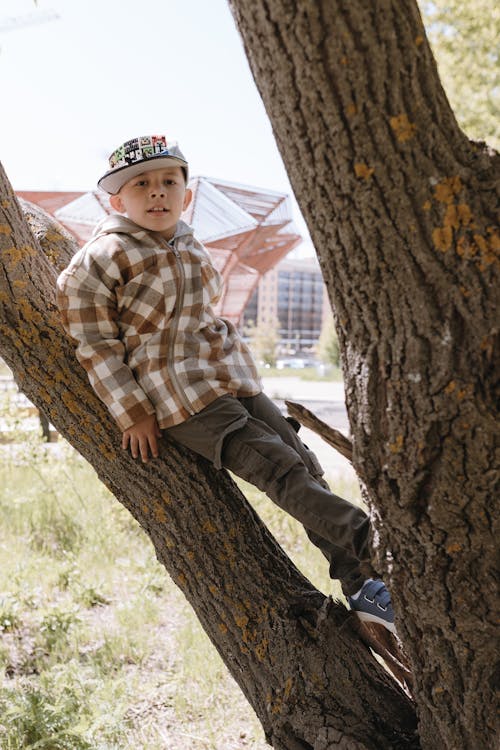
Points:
[[142, 438]]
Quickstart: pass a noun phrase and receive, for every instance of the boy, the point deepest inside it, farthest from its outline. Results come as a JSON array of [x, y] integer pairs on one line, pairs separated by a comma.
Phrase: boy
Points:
[[138, 299]]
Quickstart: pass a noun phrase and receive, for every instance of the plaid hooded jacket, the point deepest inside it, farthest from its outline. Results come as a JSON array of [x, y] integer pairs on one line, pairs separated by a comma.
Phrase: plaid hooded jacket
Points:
[[141, 311]]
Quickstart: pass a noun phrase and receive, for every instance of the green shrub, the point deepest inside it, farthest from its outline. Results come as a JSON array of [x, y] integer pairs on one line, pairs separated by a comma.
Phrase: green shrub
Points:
[[39, 719]]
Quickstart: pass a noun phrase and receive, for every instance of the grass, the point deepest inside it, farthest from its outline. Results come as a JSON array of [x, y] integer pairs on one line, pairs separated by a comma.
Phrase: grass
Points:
[[98, 648]]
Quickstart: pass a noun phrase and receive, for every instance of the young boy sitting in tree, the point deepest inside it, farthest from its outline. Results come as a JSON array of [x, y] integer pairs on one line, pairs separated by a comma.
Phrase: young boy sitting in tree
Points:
[[138, 299]]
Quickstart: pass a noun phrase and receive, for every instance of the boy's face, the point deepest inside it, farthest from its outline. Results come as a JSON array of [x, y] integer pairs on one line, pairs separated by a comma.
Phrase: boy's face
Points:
[[154, 200]]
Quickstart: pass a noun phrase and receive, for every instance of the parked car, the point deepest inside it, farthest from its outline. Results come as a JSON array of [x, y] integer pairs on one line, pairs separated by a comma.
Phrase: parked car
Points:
[[294, 363]]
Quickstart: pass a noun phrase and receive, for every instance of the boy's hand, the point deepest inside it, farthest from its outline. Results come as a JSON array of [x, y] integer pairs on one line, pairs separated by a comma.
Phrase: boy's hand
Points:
[[143, 438]]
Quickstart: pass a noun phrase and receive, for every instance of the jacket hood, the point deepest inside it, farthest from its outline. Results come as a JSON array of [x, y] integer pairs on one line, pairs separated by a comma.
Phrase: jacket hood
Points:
[[118, 224]]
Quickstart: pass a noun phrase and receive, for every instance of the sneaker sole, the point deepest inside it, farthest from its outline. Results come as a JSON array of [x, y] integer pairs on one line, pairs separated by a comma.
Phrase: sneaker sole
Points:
[[366, 617]]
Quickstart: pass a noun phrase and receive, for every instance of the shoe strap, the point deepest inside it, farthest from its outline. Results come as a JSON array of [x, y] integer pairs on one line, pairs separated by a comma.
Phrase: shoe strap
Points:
[[377, 590]]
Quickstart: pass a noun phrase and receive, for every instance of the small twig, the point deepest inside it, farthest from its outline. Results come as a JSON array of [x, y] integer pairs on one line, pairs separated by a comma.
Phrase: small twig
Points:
[[333, 437]]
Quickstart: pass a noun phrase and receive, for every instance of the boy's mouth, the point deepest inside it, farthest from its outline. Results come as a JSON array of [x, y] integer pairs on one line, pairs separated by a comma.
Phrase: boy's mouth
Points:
[[157, 210]]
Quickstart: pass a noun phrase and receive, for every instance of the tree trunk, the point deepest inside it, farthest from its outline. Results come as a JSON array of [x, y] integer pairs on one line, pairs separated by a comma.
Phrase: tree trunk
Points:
[[295, 654], [402, 209]]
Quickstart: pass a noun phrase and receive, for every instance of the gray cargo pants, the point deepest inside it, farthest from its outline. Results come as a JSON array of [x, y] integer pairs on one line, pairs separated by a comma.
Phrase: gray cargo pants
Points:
[[250, 437]]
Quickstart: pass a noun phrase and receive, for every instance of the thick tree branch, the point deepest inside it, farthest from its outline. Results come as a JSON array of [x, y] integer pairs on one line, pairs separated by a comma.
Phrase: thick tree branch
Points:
[[403, 211]]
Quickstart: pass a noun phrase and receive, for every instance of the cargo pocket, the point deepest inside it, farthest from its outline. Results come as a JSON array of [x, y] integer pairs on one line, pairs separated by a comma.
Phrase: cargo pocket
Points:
[[258, 455]]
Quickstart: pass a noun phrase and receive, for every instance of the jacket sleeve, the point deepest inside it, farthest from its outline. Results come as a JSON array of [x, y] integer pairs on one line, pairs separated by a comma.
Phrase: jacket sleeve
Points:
[[87, 301]]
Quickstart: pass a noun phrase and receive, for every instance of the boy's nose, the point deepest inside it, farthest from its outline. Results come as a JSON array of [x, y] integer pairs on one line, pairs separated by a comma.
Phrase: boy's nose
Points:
[[157, 190]]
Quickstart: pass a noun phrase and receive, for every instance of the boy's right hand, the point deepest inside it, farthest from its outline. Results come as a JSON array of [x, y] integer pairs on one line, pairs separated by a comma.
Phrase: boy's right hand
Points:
[[142, 438]]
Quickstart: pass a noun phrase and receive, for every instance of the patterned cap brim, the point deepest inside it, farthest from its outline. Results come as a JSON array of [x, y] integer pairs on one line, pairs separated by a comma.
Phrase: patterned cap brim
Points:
[[116, 178]]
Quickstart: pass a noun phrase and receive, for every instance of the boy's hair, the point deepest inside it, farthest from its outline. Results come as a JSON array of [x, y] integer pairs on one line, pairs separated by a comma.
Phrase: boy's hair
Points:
[[140, 155]]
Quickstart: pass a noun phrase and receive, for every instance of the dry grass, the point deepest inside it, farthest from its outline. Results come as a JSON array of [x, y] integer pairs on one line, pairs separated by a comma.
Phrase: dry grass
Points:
[[98, 647]]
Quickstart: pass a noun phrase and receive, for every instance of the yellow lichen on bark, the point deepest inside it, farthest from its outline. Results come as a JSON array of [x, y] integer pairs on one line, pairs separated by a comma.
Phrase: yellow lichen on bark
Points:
[[442, 238], [72, 404], [231, 551], [209, 528], [54, 236], [468, 390], [261, 649], [241, 621], [488, 247], [397, 445], [5, 229], [15, 255], [109, 455], [30, 314], [45, 396], [458, 228], [446, 190], [485, 248], [457, 215], [363, 171], [288, 687], [159, 513], [53, 256], [465, 248], [402, 127]]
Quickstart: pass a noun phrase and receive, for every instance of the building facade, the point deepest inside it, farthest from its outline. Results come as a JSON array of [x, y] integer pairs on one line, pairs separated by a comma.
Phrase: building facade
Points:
[[292, 295]]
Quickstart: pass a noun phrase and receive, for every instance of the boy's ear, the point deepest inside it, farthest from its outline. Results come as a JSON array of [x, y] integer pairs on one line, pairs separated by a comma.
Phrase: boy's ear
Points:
[[187, 198], [117, 203]]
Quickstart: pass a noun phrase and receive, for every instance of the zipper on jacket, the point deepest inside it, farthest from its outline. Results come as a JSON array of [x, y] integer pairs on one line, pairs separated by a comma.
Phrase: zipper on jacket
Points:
[[173, 332]]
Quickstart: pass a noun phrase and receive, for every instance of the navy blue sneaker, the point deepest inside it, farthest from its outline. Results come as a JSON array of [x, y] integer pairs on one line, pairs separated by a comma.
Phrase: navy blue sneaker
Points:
[[373, 604]]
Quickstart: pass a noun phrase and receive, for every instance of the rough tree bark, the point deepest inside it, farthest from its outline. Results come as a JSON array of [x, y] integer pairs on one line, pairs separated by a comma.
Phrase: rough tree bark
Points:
[[295, 654], [403, 212]]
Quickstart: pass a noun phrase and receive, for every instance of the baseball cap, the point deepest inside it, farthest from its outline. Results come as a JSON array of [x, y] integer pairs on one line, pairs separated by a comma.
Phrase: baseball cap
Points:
[[142, 154]]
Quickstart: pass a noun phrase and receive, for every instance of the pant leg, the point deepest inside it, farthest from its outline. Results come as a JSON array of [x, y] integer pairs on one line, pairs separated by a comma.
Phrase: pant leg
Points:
[[267, 453], [351, 569], [262, 408]]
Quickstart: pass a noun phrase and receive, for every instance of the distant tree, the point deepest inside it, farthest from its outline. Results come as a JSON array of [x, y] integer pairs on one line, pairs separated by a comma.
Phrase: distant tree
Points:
[[263, 340], [465, 35], [328, 344]]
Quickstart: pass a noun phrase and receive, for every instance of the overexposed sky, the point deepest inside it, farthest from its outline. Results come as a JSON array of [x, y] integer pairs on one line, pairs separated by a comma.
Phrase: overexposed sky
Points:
[[105, 71]]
